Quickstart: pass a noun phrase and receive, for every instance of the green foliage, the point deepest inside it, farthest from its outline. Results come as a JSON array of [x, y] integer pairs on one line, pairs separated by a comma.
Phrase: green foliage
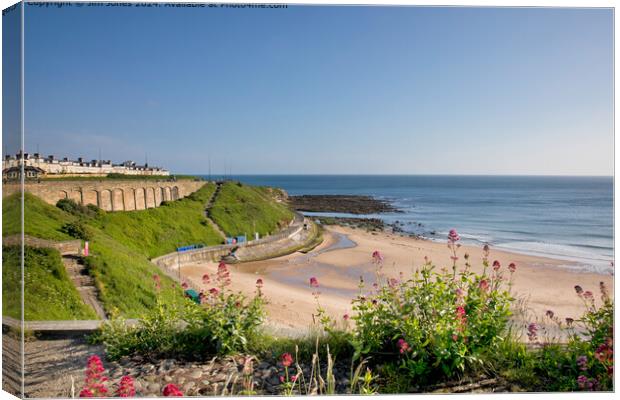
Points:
[[77, 230], [586, 361], [50, 295], [157, 231], [70, 206], [437, 324], [245, 209], [224, 323]]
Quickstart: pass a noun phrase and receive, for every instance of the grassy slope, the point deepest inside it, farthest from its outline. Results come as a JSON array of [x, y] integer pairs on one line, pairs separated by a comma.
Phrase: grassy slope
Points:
[[161, 230], [246, 209], [50, 295]]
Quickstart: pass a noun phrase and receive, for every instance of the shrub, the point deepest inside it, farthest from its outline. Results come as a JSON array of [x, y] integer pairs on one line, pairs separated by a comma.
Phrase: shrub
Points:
[[586, 361], [77, 230], [224, 323], [70, 206], [436, 324]]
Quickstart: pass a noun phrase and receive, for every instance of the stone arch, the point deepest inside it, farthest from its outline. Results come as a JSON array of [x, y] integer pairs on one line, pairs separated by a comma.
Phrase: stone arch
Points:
[[76, 195], [118, 200], [175, 193], [62, 194], [165, 193], [157, 195], [150, 197], [105, 198], [90, 197], [130, 199], [140, 199]]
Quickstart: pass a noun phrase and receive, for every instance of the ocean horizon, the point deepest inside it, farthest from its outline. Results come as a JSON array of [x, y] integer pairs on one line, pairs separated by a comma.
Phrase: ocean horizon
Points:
[[568, 218]]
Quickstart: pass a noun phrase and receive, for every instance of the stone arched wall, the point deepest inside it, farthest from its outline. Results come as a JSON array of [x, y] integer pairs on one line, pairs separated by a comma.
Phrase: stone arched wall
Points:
[[90, 197], [166, 193], [140, 199], [105, 200], [109, 195], [130, 199], [118, 200], [150, 197], [63, 194]]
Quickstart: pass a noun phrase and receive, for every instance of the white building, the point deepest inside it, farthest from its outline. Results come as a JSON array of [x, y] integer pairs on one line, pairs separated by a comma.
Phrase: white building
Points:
[[53, 167]]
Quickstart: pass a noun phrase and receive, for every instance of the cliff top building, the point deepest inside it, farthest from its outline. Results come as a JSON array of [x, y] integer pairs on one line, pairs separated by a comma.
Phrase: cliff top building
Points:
[[53, 167]]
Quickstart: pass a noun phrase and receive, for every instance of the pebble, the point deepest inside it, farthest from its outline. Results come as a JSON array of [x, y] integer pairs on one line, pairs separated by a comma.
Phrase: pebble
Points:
[[196, 374]]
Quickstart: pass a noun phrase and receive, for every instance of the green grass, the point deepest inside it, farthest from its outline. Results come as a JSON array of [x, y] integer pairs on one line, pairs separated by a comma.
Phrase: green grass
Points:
[[241, 209], [161, 230], [50, 295], [122, 274]]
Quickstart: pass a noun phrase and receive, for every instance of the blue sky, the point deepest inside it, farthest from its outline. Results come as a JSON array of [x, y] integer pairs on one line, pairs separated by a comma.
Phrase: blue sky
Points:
[[402, 90]]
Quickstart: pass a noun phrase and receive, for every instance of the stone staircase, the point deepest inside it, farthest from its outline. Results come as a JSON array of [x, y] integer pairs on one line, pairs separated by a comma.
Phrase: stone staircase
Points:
[[84, 283]]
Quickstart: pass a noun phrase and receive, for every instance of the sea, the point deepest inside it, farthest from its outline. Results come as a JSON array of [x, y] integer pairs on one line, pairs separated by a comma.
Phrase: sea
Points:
[[566, 218]]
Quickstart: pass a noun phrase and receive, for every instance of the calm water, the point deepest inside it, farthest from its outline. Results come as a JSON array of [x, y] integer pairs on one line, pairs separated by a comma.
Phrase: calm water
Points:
[[569, 218]]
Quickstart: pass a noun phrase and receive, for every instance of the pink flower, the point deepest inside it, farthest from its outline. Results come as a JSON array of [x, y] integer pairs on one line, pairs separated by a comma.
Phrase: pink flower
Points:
[[377, 257], [259, 283], [582, 363], [588, 295], [287, 359], [496, 265], [455, 338], [532, 331], [512, 267], [314, 282], [346, 317], [549, 314], [294, 378], [484, 285], [393, 282], [172, 390], [184, 285], [126, 387], [453, 237], [223, 275], [281, 378], [206, 279], [86, 393], [403, 346], [94, 382], [578, 289], [214, 291]]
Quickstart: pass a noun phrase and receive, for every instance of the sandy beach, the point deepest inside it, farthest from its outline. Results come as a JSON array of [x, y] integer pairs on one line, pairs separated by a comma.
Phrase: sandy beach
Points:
[[345, 255]]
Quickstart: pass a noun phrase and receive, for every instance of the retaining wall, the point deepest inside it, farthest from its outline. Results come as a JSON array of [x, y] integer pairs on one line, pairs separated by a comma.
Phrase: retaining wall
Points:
[[109, 195]]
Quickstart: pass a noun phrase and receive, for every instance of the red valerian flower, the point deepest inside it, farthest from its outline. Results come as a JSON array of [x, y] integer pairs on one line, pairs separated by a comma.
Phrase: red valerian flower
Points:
[[512, 267], [532, 331], [314, 282], [496, 265], [484, 285], [214, 291], [172, 390], [86, 393], [206, 279], [346, 317], [578, 289], [453, 236], [377, 257], [287, 359], [126, 387], [184, 285], [259, 283], [549, 313], [403, 346]]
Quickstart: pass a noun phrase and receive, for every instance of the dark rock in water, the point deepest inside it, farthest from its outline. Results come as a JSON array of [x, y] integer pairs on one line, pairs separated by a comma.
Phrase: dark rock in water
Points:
[[370, 224], [351, 204]]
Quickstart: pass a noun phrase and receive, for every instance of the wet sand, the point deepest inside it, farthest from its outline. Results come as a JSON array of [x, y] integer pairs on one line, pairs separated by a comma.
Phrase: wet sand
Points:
[[345, 255]]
